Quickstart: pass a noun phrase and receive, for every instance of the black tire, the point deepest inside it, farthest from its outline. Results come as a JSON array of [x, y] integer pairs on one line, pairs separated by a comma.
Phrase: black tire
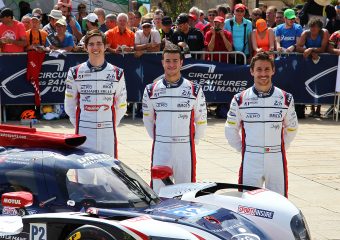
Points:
[[89, 232]]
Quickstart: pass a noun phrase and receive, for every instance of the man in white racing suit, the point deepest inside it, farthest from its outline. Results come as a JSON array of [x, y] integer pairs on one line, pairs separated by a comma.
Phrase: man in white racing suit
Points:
[[266, 118], [95, 97], [175, 117]]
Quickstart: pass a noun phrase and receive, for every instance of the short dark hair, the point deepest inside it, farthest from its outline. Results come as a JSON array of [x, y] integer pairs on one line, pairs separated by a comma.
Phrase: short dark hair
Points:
[[315, 22], [222, 8], [137, 14], [172, 48], [261, 56], [93, 33]]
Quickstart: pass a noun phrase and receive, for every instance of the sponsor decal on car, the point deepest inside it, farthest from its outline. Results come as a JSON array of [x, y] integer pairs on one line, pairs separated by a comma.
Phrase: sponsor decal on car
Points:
[[255, 212]]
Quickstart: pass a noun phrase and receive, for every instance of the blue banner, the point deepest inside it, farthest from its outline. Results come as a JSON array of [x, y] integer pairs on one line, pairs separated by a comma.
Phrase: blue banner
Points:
[[308, 82]]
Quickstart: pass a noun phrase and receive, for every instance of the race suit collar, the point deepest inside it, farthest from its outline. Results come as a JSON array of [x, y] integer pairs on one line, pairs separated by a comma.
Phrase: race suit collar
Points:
[[173, 85], [96, 69], [264, 94]]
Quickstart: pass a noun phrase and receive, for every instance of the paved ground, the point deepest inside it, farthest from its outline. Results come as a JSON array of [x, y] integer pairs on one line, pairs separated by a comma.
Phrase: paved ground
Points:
[[313, 163]]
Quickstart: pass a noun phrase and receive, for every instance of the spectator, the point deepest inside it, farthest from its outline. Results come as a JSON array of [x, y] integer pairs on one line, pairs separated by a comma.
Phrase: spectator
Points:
[[120, 38], [101, 19], [26, 20], [148, 39], [334, 43], [202, 17], [12, 33], [73, 26], [263, 8], [38, 11], [270, 16], [262, 37], [311, 43], [289, 33], [186, 37], [279, 18], [53, 17], [333, 23], [222, 10], [61, 39], [194, 13], [110, 21], [157, 21], [255, 15], [35, 37], [91, 23], [240, 29], [212, 13], [138, 18], [217, 40], [166, 32], [82, 12], [131, 20], [315, 9]]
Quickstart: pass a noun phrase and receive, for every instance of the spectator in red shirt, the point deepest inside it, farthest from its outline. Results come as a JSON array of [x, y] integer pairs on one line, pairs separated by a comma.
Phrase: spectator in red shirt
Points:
[[334, 43], [12, 33], [218, 39], [212, 13]]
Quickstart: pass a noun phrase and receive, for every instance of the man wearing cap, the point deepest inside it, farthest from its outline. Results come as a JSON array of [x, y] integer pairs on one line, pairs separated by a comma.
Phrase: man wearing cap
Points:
[[36, 37], [186, 36], [53, 17], [194, 14], [61, 39], [289, 33], [12, 33], [166, 31], [240, 29], [148, 39], [91, 23], [217, 39], [120, 38]]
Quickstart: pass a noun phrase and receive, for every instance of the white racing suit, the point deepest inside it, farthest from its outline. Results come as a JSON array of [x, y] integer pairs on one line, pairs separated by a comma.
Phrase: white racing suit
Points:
[[95, 101], [175, 117], [268, 124]]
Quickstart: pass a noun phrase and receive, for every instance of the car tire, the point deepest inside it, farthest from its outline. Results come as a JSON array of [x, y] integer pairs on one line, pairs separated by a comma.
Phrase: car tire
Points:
[[89, 232]]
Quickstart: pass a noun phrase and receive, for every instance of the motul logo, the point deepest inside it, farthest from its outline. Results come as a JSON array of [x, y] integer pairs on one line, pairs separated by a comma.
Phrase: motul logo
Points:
[[96, 108], [12, 201]]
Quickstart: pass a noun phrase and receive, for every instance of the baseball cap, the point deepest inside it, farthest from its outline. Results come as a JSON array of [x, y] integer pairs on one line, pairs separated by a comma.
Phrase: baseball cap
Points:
[[289, 13], [91, 17], [219, 19], [146, 21], [6, 12], [182, 18], [61, 22], [166, 20], [240, 6], [193, 16], [36, 16], [261, 25]]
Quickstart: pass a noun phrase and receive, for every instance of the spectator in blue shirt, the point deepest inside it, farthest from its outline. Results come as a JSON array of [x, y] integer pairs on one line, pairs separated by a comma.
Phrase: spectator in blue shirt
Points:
[[240, 29], [73, 26], [60, 39], [288, 33]]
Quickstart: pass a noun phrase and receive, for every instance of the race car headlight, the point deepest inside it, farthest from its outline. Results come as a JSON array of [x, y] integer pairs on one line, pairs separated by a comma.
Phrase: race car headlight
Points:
[[299, 227]]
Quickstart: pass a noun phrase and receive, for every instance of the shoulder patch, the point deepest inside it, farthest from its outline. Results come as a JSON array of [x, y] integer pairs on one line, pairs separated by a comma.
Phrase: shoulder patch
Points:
[[195, 89], [239, 97], [288, 97], [74, 71], [150, 87]]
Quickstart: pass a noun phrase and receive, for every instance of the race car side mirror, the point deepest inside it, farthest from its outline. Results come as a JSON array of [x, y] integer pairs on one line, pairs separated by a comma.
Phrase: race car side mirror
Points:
[[20, 199], [161, 172]]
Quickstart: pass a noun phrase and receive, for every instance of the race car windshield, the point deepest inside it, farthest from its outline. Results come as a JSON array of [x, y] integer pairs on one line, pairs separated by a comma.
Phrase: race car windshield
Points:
[[106, 187]]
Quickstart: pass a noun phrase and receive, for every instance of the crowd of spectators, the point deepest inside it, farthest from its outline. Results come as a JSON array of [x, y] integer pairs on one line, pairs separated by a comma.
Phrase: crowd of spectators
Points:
[[310, 29]]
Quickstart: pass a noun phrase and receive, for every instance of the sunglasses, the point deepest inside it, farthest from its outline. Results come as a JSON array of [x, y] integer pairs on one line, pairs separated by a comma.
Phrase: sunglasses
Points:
[[81, 7]]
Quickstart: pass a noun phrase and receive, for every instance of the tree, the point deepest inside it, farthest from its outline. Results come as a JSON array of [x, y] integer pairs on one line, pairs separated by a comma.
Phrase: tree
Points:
[[175, 7]]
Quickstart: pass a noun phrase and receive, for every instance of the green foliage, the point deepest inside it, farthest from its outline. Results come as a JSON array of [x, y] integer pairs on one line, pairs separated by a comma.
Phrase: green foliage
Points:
[[334, 2], [175, 7]]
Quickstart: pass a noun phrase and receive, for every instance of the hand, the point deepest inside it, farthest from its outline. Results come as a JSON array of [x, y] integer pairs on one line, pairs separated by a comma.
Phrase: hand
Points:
[[307, 52], [182, 44], [72, 22], [280, 49], [259, 50]]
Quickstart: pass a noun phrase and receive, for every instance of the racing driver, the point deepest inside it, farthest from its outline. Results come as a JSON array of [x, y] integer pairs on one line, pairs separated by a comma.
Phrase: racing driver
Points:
[[175, 117], [266, 118], [95, 97]]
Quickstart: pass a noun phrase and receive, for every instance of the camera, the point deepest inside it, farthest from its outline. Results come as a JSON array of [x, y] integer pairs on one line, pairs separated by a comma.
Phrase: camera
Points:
[[217, 29]]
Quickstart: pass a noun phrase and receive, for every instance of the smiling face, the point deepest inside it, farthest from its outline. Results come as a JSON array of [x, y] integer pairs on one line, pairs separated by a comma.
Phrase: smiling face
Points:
[[172, 64], [262, 72], [95, 47]]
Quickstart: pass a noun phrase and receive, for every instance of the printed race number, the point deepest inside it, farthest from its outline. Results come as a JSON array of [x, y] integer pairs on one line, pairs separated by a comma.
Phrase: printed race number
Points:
[[38, 231]]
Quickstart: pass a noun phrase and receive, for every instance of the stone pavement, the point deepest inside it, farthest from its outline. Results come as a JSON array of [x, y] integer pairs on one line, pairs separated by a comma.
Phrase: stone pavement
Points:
[[313, 164]]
